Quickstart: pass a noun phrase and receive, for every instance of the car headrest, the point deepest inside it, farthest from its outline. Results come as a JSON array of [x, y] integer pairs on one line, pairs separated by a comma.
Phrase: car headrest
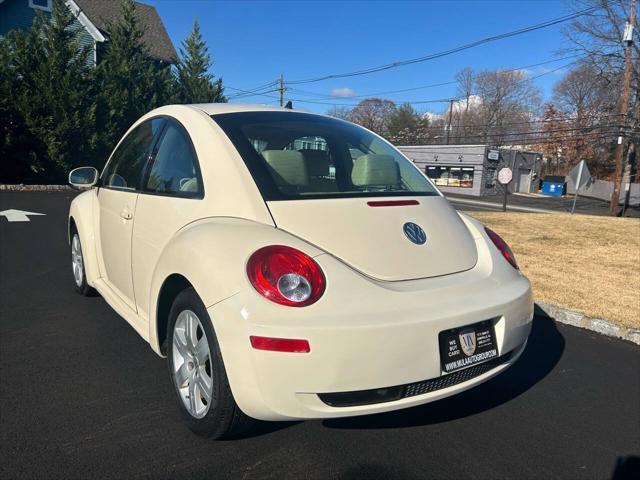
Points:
[[189, 185], [375, 169], [289, 167], [317, 161]]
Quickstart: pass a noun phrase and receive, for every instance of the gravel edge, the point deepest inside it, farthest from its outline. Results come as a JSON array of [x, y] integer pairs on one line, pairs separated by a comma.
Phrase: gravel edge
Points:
[[34, 188], [580, 320]]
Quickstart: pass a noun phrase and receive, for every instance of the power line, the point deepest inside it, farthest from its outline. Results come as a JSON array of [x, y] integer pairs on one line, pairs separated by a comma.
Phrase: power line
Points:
[[504, 142], [451, 51], [527, 122], [250, 92], [259, 87], [439, 100], [587, 129], [433, 85], [528, 137], [415, 102]]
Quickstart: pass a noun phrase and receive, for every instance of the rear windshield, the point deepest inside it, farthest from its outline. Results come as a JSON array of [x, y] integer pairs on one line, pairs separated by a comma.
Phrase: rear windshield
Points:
[[294, 156]]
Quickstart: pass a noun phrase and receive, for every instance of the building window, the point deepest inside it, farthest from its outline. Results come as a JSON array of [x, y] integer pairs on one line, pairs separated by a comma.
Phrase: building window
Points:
[[41, 5], [461, 177]]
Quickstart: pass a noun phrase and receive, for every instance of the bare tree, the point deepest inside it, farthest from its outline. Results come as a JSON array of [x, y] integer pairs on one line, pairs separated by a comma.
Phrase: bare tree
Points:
[[586, 101], [374, 114], [466, 85], [343, 113], [583, 93], [552, 144], [598, 37], [495, 106]]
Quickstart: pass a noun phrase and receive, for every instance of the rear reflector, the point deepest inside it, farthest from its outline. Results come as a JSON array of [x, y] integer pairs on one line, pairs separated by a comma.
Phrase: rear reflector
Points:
[[290, 345], [392, 203]]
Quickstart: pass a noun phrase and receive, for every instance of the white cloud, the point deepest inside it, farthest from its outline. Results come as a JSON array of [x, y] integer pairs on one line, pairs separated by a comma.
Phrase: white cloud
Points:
[[343, 92], [474, 100]]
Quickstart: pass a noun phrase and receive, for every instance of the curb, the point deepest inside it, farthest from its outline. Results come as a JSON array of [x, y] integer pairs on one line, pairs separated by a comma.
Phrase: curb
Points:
[[498, 206], [580, 320], [35, 188]]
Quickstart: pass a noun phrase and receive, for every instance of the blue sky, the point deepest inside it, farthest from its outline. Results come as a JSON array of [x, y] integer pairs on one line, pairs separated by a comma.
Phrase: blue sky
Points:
[[253, 42]]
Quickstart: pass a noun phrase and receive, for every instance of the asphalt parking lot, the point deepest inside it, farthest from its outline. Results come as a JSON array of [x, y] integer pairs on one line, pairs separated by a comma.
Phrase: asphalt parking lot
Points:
[[83, 396]]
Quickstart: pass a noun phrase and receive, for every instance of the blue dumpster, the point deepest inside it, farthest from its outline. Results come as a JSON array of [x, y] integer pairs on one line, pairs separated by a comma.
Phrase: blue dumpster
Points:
[[553, 185]]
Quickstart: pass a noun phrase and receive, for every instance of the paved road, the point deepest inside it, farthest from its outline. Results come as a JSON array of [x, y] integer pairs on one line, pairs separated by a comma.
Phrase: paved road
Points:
[[82, 396], [533, 203]]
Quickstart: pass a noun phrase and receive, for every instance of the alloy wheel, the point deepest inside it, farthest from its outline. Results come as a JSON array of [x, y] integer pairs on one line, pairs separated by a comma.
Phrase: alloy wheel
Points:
[[192, 372], [76, 260]]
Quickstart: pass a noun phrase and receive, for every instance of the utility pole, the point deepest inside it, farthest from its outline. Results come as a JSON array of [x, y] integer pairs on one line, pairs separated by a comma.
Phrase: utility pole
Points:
[[624, 105], [281, 89], [449, 121]]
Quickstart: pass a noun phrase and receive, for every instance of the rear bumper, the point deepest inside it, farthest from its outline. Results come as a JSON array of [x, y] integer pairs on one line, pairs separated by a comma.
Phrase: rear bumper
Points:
[[371, 335]]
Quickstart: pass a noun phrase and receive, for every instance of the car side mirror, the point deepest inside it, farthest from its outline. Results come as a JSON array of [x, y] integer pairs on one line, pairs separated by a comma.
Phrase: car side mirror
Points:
[[84, 177]]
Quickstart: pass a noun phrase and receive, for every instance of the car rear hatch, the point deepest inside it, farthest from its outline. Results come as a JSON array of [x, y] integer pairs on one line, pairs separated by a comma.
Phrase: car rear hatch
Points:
[[369, 235]]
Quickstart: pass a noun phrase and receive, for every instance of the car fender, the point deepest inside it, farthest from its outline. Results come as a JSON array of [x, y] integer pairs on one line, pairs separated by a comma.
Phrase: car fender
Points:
[[82, 211], [475, 227], [212, 254]]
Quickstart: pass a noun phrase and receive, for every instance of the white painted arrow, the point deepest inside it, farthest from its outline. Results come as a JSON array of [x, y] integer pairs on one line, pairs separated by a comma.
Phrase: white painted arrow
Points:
[[18, 215]]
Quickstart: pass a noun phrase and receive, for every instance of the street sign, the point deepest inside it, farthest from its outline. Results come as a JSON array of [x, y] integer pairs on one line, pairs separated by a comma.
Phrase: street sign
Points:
[[505, 175], [580, 175], [17, 215], [493, 155]]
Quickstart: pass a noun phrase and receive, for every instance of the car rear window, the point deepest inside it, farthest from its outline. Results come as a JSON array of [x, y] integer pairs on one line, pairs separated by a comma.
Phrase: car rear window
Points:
[[295, 156]]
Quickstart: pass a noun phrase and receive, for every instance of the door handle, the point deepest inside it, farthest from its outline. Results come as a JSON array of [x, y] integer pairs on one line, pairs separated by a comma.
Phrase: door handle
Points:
[[126, 214]]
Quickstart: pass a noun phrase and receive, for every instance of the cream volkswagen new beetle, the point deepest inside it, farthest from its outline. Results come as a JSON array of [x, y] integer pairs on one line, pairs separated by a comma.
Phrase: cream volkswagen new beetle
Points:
[[292, 266]]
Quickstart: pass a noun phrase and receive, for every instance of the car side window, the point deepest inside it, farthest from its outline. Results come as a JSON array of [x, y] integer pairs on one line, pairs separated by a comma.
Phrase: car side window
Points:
[[175, 167], [124, 171]]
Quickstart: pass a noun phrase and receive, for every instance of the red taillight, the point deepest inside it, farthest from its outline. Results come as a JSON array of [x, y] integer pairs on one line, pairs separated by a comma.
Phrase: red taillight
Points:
[[286, 276], [503, 247], [290, 345]]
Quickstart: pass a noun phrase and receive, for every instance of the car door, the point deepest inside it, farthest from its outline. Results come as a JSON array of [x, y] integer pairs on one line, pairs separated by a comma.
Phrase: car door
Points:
[[171, 197], [117, 199]]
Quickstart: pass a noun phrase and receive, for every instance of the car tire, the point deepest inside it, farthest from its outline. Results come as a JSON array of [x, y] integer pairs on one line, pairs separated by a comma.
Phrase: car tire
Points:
[[77, 265], [198, 377]]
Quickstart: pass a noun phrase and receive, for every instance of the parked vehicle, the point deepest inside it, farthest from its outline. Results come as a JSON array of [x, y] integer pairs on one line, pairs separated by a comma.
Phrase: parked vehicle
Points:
[[292, 266]]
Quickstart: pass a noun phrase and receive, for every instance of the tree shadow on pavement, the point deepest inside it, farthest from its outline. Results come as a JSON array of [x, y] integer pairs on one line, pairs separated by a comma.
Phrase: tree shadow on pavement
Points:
[[541, 355]]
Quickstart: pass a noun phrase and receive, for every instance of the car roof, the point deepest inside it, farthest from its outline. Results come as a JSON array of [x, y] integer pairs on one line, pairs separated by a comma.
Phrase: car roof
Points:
[[218, 108]]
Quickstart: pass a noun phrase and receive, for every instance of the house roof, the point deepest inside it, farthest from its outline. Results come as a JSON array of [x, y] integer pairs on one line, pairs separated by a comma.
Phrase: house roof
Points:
[[103, 12]]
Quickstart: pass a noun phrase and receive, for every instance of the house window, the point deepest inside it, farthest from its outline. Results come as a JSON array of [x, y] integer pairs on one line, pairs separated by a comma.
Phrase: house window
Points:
[[461, 177], [41, 5]]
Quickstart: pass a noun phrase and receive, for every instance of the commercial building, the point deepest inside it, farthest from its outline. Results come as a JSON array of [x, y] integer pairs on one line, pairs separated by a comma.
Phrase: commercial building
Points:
[[473, 169]]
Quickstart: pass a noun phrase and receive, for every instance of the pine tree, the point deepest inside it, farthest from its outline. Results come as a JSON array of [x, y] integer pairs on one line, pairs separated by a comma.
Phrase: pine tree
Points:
[[407, 127], [194, 82], [131, 83], [54, 95], [21, 154]]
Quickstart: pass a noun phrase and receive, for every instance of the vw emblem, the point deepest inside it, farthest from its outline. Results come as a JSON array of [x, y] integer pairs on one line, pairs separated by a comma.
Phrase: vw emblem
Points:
[[414, 233]]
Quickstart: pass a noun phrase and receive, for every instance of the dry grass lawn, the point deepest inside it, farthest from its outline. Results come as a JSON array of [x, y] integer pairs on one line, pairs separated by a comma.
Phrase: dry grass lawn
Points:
[[584, 263]]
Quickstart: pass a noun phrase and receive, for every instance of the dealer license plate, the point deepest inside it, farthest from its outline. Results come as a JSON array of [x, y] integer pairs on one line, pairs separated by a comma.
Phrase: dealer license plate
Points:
[[465, 346]]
